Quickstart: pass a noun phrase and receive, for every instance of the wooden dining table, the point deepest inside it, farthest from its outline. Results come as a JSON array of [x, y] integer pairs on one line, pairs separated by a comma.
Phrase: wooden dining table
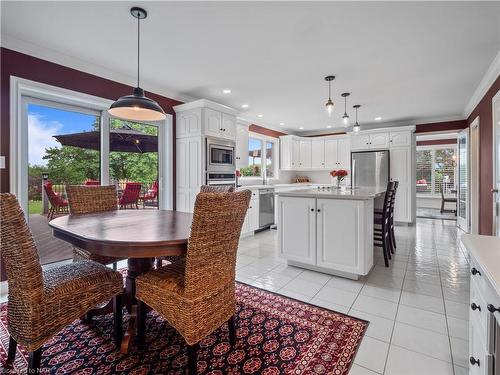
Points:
[[137, 235]]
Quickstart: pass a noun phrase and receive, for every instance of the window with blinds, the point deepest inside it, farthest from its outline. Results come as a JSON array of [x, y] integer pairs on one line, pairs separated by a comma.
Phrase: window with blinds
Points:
[[436, 169]]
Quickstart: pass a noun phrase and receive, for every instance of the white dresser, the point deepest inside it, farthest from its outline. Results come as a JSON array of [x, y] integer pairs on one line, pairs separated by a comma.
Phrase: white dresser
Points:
[[484, 315]]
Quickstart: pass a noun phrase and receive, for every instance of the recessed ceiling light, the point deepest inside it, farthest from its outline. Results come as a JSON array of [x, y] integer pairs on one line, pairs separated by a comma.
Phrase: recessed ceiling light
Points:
[[226, 91], [329, 126], [301, 127], [244, 106], [260, 116], [378, 118], [282, 123]]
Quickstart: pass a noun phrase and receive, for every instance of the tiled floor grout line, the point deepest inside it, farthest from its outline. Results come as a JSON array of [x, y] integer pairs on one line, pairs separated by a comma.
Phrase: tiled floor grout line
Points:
[[397, 311]]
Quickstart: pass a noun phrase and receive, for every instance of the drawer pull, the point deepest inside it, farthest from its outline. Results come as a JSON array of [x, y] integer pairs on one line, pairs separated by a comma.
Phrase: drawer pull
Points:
[[475, 307], [474, 361], [474, 271], [492, 308], [312, 209]]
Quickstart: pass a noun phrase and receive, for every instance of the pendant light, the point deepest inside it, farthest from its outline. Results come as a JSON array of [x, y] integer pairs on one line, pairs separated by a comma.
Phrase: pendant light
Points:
[[356, 126], [329, 103], [137, 107], [345, 117]]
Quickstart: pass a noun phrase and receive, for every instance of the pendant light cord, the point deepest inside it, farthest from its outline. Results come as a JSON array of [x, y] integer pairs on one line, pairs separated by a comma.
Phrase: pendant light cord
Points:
[[345, 105], [138, 46], [329, 90], [356, 115]]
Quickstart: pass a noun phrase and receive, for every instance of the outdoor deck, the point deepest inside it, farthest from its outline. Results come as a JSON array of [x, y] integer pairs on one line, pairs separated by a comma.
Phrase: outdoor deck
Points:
[[50, 249]]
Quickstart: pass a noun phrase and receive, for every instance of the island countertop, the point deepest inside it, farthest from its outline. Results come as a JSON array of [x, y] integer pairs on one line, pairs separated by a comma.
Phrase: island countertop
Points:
[[362, 193]]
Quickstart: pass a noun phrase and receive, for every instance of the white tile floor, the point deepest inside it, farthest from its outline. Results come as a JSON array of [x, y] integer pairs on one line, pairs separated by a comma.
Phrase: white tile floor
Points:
[[417, 308]]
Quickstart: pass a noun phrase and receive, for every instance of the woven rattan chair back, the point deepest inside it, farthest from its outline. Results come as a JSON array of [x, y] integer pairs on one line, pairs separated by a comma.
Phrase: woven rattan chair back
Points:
[[216, 189], [86, 199], [215, 234], [18, 250]]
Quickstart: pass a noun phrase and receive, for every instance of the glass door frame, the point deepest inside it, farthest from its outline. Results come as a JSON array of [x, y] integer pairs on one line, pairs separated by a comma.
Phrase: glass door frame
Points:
[[463, 183], [495, 191]]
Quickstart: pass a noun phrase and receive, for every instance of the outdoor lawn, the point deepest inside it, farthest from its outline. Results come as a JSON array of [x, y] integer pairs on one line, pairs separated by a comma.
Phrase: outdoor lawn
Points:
[[34, 207]]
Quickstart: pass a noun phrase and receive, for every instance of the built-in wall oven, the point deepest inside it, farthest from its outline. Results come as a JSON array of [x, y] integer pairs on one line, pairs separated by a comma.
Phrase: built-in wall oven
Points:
[[220, 155], [221, 179]]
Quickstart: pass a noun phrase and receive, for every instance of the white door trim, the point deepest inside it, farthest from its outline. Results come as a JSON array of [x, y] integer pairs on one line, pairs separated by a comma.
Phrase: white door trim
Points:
[[474, 141], [494, 100], [23, 89]]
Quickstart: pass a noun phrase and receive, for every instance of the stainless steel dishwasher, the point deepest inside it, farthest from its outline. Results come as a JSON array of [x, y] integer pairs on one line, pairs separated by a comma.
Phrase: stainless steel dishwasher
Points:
[[266, 208]]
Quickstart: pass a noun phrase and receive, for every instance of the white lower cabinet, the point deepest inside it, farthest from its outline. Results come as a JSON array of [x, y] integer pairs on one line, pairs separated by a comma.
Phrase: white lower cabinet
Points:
[[297, 227], [329, 235], [251, 223]]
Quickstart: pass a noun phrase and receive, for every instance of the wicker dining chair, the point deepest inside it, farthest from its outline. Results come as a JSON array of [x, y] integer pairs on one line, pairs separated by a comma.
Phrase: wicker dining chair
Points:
[[203, 189], [91, 199], [42, 302], [197, 296]]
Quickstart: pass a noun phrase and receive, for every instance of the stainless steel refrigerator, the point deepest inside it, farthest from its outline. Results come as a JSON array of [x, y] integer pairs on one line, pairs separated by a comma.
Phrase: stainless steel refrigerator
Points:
[[370, 168]]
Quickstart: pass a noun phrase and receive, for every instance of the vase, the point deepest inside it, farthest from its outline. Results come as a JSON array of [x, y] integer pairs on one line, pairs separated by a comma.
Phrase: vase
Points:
[[338, 183]]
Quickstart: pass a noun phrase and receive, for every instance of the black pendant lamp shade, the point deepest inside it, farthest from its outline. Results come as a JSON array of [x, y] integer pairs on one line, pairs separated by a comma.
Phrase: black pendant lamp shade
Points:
[[137, 107]]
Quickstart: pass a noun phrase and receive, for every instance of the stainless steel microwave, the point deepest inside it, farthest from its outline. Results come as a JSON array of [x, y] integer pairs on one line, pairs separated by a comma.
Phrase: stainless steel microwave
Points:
[[220, 155]]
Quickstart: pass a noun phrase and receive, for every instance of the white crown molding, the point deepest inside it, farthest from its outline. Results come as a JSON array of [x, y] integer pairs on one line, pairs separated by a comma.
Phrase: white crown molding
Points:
[[18, 45], [490, 76], [205, 103]]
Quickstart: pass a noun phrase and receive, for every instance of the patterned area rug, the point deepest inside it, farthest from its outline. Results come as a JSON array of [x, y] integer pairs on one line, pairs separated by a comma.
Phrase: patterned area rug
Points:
[[275, 335]]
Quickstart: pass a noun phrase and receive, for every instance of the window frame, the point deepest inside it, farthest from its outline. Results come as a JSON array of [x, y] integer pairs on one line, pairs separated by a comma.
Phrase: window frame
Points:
[[433, 149], [263, 140]]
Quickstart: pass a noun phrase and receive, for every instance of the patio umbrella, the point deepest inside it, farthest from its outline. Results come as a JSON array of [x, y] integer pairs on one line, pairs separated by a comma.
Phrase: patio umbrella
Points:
[[121, 139]]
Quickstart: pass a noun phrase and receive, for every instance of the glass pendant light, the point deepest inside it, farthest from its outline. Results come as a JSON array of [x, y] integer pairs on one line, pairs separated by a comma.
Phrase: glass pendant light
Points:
[[356, 126], [329, 103], [345, 117], [137, 107]]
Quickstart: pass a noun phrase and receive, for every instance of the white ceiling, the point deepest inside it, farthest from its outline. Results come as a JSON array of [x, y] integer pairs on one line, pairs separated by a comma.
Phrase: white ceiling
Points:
[[404, 61]]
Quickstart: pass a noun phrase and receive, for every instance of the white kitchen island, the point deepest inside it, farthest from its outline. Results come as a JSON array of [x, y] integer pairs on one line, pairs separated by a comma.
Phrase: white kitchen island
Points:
[[330, 230]]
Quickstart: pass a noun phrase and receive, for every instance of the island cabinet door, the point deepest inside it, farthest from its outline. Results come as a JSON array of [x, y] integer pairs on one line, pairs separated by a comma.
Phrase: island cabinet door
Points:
[[339, 234], [297, 228]]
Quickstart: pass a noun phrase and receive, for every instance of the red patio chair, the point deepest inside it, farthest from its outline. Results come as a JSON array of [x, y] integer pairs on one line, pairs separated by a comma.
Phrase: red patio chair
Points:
[[57, 204], [92, 183], [130, 195], [151, 195]]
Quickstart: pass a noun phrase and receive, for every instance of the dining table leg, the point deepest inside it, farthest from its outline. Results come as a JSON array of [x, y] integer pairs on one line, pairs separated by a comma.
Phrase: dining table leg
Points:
[[136, 267]]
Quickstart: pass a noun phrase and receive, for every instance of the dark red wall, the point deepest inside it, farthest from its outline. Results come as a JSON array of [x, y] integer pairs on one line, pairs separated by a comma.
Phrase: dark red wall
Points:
[[435, 142], [441, 126], [25, 66], [485, 112], [265, 131]]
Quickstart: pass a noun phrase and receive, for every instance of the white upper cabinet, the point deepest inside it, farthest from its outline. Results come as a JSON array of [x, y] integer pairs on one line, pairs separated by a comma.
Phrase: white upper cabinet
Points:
[[213, 122], [344, 153], [331, 153], [204, 117], [305, 154], [370, 141], [189, 123], [317, 154], [241, 145], [228, 126], [400, 139], [360, 142], [379, 140]]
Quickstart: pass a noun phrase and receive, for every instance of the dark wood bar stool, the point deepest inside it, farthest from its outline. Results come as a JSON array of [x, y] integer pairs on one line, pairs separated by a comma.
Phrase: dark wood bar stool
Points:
[[382, 224], [391, 233]]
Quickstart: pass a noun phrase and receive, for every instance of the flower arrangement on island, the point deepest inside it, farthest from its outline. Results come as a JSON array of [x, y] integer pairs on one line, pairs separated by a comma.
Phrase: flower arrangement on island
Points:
[[340, 174]]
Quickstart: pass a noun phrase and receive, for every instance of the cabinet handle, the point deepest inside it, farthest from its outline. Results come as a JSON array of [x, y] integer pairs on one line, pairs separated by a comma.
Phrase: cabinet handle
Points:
[[492, 308], [473, 361], [474, 271], [312, 209], [249, 206], [319, 210], [475, 307]]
